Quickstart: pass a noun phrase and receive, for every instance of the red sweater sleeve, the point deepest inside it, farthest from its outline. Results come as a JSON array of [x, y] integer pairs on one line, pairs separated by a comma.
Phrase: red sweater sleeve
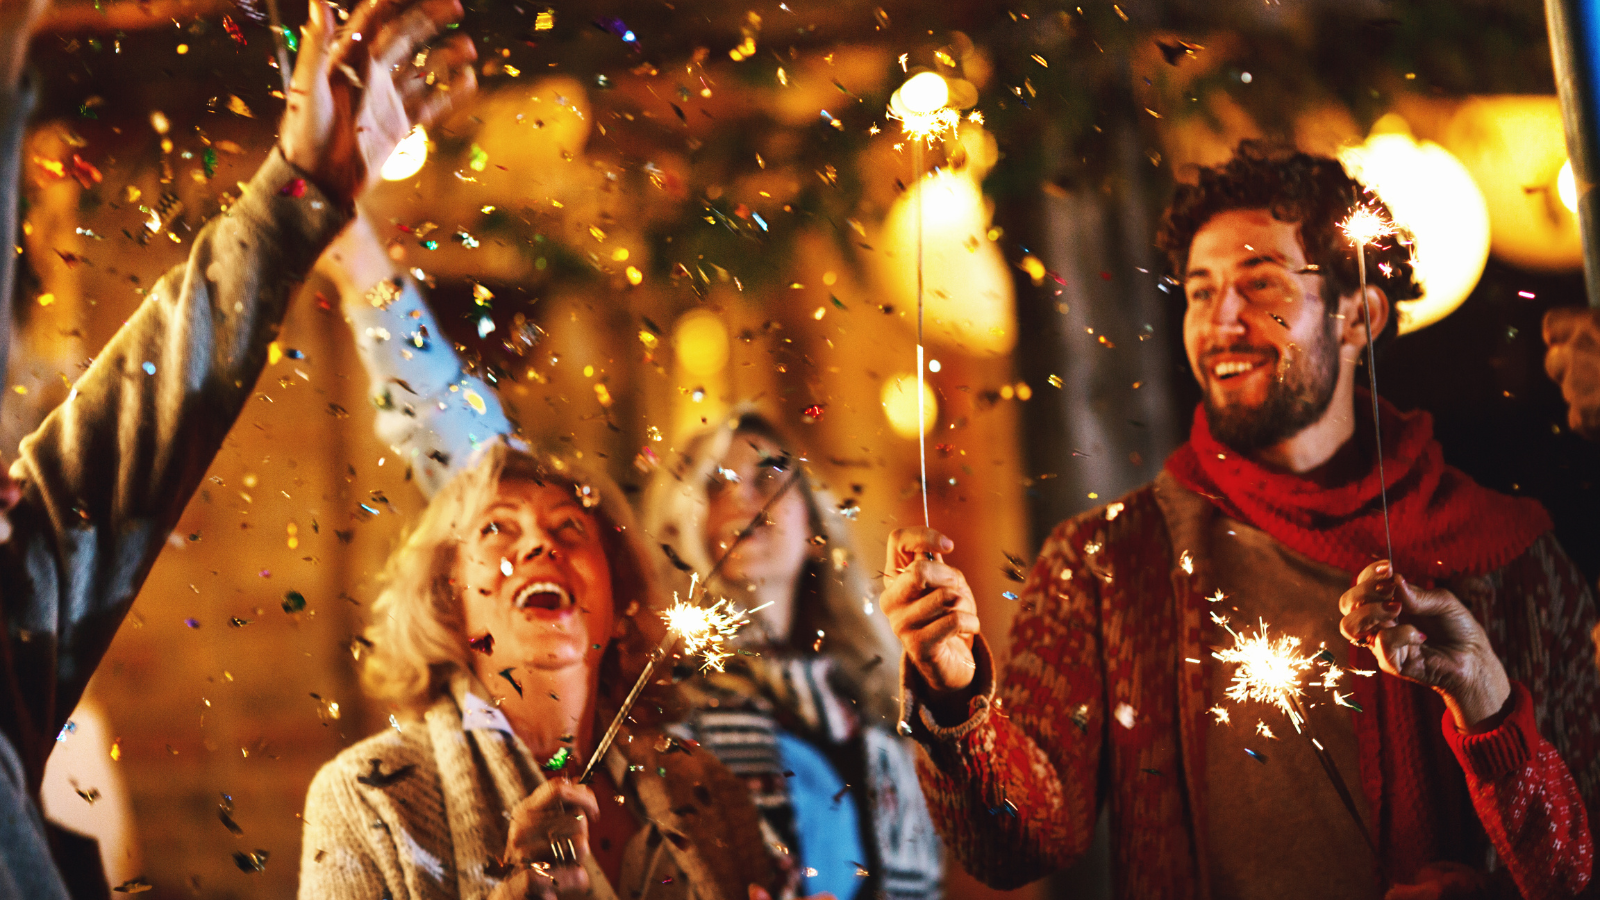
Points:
[[1527, 801], [1013, 789], [1535, 780]]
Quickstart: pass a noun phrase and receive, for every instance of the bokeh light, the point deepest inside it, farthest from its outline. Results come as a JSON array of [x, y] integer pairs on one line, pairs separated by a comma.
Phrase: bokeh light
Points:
[[1433, 196], [900, 405], [701, 342], [407, 157]]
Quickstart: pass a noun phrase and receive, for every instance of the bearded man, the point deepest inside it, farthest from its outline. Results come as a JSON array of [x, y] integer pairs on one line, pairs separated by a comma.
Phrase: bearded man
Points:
[[1457, 752]]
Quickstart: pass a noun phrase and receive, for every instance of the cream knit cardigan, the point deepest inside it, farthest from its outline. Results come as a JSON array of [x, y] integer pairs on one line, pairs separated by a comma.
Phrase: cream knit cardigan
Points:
[[420, 811]]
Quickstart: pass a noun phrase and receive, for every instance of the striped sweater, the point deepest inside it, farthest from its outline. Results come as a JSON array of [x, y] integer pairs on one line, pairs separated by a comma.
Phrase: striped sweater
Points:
[[745, 715]]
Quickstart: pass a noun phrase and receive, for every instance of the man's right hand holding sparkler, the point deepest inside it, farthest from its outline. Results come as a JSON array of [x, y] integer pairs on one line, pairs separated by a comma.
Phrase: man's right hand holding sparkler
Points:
[[1429, 637], [933, 613]]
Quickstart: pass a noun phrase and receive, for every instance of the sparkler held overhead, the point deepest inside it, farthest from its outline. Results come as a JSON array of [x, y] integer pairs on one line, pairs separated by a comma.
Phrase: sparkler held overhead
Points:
[[1364, 226], [921, 106]]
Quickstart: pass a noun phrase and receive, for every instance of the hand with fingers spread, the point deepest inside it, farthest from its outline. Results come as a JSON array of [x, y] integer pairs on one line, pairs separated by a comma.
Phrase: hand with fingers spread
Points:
[[548, 843], [1429, 637], [358, 91], [930, 607], [1572, 360]]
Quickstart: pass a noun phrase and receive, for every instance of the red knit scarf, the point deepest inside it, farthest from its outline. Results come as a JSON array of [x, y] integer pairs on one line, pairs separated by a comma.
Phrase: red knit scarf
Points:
[[1444, 524]]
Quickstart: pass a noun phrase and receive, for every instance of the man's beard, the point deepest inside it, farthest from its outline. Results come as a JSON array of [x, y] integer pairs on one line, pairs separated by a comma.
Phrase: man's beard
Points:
[[1295, 401]]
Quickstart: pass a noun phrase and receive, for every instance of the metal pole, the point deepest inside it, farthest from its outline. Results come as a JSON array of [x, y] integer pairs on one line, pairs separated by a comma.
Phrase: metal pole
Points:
[[1575, 53]]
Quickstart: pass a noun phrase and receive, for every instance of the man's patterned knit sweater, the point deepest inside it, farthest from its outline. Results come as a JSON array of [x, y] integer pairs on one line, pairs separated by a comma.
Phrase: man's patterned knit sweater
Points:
[[1109, 615]]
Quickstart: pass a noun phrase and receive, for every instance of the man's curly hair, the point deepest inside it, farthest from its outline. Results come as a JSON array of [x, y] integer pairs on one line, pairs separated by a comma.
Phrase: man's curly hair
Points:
[[1312, 191]]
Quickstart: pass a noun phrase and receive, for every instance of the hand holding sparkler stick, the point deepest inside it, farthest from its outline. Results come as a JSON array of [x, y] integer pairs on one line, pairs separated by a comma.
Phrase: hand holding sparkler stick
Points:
[[931, 608], [704, 630], [1429, 637]]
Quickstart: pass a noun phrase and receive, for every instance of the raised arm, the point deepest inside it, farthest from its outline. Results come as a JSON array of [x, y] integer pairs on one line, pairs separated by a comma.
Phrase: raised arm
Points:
[[107, 474], [429, 408], [1011, 780]]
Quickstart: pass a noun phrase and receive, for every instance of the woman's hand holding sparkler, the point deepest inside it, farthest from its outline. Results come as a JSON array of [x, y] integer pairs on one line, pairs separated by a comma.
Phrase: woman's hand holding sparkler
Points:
[[548, 842], [1429, 637], [930, 607]]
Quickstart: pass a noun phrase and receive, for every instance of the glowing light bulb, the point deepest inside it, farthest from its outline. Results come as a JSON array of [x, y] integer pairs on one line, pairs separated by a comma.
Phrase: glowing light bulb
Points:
[[407, 157], [924, 93], [1567, 187]]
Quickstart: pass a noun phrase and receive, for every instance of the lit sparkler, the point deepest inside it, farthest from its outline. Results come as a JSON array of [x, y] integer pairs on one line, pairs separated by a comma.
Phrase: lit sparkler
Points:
[[1364, 226], [921, 105], [1272, 670], [704, 630], [1268, 670]]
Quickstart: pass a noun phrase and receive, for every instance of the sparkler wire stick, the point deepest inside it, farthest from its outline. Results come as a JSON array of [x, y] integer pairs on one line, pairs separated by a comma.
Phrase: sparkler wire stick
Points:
[[276, 27], [1372, 386], [1338, 782], [922, 428], [671, 637], [1270, 671]]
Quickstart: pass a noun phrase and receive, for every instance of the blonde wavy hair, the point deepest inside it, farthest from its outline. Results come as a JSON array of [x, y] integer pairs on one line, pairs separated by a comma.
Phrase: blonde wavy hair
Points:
[[833, 589], [417, 628]]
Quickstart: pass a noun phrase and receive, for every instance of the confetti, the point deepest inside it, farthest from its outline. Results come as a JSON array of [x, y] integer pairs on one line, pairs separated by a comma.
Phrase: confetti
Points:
[[252, 862], [559, 761], [506, 674], [377, 778], [1125, 715], [294, 602], [484, 644], [1080, 717]]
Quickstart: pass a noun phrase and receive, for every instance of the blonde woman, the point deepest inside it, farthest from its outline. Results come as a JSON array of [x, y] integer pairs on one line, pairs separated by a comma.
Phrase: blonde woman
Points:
[[511, 622], [806, 713]]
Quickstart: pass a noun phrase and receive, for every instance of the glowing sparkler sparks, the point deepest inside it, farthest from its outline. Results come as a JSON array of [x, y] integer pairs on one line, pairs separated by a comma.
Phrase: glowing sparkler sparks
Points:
[[926, 127], [1366, 225], [921, 106], [1269, 670], [706, 630], [1272, 670]]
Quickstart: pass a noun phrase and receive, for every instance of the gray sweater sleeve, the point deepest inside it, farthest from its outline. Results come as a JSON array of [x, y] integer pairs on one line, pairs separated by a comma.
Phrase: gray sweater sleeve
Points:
[[108, 473], [14, 110], [430, 410]]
